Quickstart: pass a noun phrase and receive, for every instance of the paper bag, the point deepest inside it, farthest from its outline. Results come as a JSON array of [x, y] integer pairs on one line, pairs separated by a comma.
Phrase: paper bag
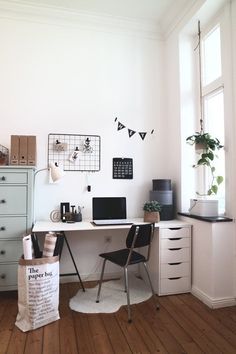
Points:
[[38, 292]]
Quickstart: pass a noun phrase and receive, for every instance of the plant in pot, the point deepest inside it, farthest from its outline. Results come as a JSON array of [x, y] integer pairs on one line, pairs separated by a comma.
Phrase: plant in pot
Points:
[[208, 147], [152, 211]]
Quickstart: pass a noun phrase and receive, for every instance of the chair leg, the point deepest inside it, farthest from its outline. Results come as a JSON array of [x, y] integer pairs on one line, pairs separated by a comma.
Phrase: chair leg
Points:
[[153, 293], [127, 293], [125, 282], [100, 281]]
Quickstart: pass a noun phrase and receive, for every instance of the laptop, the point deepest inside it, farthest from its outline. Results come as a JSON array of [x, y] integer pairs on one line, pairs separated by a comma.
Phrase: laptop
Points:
[[109, 211]]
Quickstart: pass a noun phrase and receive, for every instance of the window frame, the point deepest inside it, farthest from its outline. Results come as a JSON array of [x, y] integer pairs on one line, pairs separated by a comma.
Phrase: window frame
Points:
[[208, 90]]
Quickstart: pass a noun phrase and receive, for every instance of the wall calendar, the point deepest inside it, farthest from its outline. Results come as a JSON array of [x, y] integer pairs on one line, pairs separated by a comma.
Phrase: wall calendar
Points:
[[122, 168]]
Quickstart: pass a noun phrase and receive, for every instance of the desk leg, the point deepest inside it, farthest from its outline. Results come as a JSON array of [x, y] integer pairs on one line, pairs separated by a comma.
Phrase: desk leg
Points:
[[68, 246]]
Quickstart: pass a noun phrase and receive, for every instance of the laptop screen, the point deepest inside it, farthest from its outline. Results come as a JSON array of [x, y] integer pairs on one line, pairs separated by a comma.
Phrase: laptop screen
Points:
[[109, 208]]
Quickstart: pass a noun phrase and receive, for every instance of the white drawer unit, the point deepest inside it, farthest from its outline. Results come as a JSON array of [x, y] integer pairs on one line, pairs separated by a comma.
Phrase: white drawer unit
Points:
[[16, 217], [170, 260], [174, 274]]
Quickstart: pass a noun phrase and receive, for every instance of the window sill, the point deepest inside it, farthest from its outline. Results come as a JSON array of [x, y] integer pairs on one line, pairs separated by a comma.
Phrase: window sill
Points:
[[207, 219]]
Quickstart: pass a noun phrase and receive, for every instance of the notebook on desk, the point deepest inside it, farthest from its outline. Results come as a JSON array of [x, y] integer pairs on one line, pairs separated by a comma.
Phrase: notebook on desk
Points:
[[109, 211]]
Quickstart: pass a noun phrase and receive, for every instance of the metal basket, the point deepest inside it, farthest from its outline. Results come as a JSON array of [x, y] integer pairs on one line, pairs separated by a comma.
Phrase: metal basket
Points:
[[4, 155]]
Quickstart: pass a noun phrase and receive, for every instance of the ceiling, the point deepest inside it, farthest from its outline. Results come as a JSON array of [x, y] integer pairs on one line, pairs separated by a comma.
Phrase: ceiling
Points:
[[157, 17], [161, 12], [138, 9]]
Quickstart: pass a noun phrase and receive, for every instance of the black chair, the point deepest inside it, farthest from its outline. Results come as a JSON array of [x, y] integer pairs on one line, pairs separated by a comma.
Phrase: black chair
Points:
[[138, 236]]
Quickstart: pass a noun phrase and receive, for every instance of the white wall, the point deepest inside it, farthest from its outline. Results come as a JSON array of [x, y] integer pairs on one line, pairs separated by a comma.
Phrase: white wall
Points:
[[59, 78], [62, 80]]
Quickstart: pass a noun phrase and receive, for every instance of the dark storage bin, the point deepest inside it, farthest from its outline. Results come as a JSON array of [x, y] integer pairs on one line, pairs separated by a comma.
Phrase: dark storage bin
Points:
[[167, 212], [161, 184], [163, 197]]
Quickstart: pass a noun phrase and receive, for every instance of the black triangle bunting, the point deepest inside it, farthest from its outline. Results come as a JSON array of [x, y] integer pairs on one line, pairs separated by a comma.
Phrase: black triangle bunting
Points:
[[120, 126], [142, 134], [131, 132]]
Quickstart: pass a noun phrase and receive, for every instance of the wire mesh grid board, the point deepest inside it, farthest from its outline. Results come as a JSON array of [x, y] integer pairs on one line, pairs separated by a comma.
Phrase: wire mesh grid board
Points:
[[75, 152]]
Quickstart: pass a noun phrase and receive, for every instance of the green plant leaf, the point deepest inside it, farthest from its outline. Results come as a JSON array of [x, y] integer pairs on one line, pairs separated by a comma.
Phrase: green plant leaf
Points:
[[210, 155], [213, 169], [203, 162], [219, 179], [214, 188]]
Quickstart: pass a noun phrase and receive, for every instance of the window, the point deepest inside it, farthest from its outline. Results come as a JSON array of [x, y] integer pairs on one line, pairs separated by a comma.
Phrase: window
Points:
[[213, 102], [211, 56]]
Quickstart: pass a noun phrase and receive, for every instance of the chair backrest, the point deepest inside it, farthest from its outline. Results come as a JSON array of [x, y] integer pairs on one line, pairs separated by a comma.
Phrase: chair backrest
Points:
[[139, 235]]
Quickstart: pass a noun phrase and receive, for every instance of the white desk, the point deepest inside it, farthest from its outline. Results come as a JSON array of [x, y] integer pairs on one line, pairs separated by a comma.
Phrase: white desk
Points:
[[87, 225]]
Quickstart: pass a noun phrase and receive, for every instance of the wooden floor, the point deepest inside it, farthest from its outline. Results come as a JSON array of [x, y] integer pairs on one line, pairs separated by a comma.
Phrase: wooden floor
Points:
[[182, 325]]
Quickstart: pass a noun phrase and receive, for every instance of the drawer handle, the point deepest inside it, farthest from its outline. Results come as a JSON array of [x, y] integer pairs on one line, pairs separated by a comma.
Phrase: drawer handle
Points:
[[2, 228], [2, 252], [175, 238], [3, 178], [3, 276], [176, 263], [175, 249], [175, 228], [2, 201], [174, 278]]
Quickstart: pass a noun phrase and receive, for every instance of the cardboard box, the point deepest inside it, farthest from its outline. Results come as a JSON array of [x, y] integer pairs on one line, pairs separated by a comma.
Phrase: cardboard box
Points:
[[31, 150], [23, 150], [15, 146]]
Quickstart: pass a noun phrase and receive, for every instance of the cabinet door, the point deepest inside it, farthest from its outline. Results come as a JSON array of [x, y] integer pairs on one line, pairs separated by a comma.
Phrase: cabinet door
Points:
[[10, 250], [8, 275], [13, 200], [12, 226]]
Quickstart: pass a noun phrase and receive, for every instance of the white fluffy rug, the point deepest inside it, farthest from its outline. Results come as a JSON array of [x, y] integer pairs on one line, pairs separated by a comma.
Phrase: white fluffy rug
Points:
[[112, 296]]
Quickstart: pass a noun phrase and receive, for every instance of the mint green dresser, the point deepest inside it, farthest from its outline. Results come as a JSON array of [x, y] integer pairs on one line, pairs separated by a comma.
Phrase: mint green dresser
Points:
[[16, 217]]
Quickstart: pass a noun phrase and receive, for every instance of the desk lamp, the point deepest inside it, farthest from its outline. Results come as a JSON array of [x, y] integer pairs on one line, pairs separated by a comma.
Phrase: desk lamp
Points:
[[55, 172]]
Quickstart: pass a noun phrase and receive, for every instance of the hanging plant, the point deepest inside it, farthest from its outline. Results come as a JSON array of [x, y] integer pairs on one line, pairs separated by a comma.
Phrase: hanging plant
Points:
[[208, 146]]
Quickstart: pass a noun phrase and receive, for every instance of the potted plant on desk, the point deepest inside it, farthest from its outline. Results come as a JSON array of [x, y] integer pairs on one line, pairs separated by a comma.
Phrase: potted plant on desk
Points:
[[152, 211]]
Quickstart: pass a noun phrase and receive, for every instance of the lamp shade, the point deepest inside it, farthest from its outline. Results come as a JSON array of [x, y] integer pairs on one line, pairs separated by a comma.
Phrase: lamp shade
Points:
[[55, 172]]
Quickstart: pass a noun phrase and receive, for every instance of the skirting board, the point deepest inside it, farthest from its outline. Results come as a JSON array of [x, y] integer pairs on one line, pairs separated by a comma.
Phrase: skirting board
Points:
[[211, 302], [89, 277]]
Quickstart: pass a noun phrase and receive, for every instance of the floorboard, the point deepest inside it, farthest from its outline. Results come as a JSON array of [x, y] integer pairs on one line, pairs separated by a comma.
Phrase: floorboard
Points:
[[183, 324]]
